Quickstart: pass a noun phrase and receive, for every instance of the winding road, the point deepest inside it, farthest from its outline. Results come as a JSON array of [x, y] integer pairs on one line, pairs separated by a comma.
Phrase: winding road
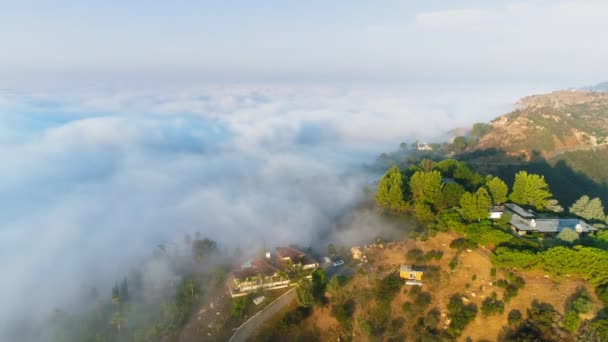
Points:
[[251, 325]]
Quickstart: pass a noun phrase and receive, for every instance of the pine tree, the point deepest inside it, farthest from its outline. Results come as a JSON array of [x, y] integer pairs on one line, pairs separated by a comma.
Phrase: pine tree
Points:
[[475, 206], [588, 209], [390, 190], [498, 190], [427, 187], [530, 189]]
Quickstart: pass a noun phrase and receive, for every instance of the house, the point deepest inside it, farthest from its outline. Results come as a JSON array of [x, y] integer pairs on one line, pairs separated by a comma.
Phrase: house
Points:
[[496, 212], [296, 257], [269, 272], [424, 147], [410, 274], [524, 222]]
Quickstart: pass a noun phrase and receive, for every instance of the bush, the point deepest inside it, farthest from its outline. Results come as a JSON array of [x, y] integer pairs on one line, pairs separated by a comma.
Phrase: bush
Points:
[[461, 244], [493, 272], [387, 288], [514, 317], [492, 306], [510, 293], [454, 262], [434, 254], [474, 277], [460, 314], [343, 312], [406, 307], [239, 306], [602, 293], [416, 255], [571, 321]]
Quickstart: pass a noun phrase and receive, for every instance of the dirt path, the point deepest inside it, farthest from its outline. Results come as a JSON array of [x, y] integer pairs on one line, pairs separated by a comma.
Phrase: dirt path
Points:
[[251, 325]]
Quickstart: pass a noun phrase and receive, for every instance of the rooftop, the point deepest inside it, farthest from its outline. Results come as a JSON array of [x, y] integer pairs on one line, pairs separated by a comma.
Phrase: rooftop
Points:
[[519, 210], [554, 225]]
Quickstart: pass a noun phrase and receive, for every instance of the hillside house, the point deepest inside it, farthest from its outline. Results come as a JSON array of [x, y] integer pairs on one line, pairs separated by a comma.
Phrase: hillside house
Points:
[[410, 274], [270, 272], [424, 147], [496, 212], [524, 222]]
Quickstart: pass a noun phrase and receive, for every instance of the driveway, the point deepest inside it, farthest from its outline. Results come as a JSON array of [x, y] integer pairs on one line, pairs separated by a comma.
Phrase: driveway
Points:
[[252, 324]]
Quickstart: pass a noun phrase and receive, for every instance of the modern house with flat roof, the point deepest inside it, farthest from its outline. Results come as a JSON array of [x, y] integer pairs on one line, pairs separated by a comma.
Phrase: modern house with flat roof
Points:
[[524, 221]]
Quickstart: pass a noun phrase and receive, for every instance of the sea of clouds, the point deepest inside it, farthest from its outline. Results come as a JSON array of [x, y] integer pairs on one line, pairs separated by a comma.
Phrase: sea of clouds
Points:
[[93, 179]]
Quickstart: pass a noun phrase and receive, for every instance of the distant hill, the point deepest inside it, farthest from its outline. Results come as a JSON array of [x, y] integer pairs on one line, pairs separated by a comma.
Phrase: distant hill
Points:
[[603, 86], [551, 124], [563, 134]]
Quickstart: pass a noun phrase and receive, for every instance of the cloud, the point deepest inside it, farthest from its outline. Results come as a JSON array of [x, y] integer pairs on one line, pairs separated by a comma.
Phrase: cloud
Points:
[[92, 181]]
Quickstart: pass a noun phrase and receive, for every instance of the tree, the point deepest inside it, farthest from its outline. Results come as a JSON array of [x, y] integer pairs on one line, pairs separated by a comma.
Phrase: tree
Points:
[[475, 206], [530, 189], [202, 248], [331, 249], [568, 235], [588, 209], [452, 192], [390, 190], [319, 282], [304, 294], [480, 129], [427, 165], [424, 214], [117, 320], [459, 143], [427, 187], [124, 291], [239, 307], [116, 294], [498, 190]]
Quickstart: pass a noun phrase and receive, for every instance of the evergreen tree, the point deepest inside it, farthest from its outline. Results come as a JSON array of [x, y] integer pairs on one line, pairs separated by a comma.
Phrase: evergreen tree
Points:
[[452, 193], [588, 209], [530, 189], [475, 206], [568, 235], [304, 293], [498, 190], [424, 214], [390, 190], [427, 187]]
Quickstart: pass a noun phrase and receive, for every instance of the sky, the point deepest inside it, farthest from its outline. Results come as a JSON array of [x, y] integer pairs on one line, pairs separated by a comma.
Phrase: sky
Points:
[[339, 41], [125, 124]]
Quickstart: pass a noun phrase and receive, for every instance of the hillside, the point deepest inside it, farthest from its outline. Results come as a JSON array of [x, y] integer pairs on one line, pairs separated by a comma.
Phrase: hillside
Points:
[[562, 135], [551, 124]]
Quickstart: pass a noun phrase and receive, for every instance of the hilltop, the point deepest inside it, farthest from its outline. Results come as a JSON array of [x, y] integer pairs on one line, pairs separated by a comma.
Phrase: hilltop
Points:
[[551, 124]]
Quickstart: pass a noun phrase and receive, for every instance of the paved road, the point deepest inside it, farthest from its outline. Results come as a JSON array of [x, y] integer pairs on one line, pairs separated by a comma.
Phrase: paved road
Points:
[[252, 324]]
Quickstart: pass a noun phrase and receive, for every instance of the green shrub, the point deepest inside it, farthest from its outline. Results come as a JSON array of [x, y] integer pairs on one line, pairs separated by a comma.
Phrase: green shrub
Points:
[[492, 306], [416, 255], [461, 244], [406, 307], [461, 315], [454, 262], [571, 321], [434, 254], [493, 272], [514, 317], [510, 293], [602, 293]]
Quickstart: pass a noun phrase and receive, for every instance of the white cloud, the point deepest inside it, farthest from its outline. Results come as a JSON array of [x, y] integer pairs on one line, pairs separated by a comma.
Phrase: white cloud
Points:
[[92, 181]]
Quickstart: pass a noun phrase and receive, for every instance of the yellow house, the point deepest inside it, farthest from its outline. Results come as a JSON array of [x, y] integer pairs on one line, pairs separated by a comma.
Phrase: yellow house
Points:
[[408, 273]]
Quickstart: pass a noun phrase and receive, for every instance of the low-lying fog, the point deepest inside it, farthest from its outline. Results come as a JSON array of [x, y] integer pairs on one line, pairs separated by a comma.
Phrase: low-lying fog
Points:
[[92, 180]]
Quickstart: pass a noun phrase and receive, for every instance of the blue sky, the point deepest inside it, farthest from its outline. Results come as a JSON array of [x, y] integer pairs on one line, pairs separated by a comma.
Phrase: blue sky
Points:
[[439, 41]]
